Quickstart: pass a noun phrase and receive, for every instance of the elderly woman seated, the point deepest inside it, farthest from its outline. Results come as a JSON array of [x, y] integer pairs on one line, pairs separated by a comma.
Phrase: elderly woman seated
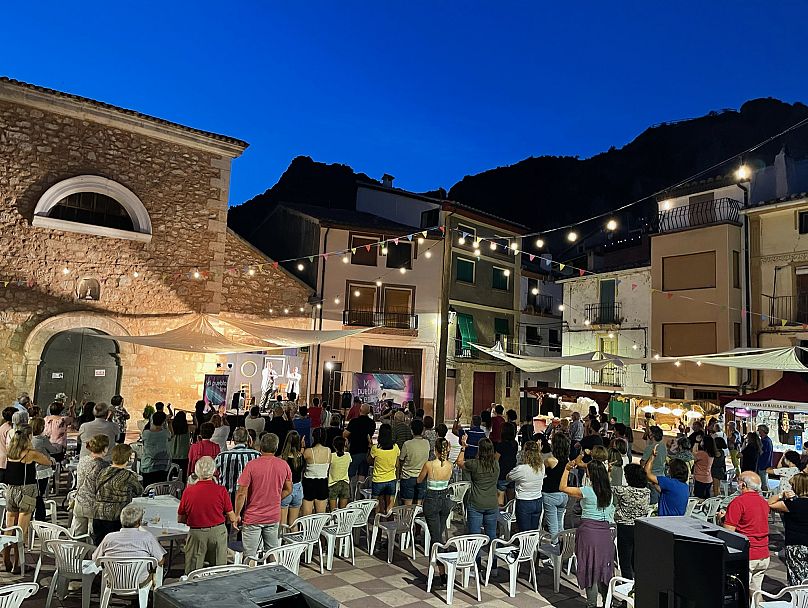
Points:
[[131, 541]]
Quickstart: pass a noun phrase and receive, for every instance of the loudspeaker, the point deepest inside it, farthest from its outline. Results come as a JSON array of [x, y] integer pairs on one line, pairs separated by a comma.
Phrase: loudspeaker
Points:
[[684, 562], [347, 399]]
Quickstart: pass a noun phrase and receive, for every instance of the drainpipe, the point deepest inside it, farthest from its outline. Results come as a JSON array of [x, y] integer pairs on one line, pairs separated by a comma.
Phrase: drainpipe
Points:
[[322, 307], [747, 284]]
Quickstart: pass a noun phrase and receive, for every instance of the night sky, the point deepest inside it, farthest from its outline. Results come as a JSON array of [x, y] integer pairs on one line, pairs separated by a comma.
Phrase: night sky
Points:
[[427, 91]]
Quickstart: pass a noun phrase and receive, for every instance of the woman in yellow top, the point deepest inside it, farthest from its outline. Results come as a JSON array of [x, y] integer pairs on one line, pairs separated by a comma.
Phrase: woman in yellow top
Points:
[[339, 489], [384, 458]]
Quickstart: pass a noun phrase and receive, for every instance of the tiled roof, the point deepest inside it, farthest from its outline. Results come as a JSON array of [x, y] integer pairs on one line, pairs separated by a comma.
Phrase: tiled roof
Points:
[[133, 113], [349, 218]]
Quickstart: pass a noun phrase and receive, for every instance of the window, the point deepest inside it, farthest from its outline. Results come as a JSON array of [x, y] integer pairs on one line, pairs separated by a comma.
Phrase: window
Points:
[[399, 256], [500, 278], [681, 339], [468, 232], [466, 333], [736, 333], [693, 271], [397, 302], [501, 327], [92, 208], [465, 270], [430, 218], [699, 395], [361, 305], [676, 393], [366, 251], [532, 335], [736, 269], [555, 338], [802, 222]]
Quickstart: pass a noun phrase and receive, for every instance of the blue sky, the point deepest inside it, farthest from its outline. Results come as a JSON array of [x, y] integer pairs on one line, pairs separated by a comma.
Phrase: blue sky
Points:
[[427, 91]]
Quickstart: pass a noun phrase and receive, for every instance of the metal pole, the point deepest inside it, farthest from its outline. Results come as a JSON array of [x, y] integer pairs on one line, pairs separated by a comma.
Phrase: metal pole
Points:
[[443, 318]]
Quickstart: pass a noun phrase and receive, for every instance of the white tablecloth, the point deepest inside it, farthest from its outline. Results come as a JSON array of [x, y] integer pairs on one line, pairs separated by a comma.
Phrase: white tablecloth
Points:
[[162, 507]]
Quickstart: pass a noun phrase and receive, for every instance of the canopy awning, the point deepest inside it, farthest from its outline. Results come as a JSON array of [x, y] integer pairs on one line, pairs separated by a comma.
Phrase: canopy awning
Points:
[[788, 394], [289, 337], [777, 359], [544, 364]]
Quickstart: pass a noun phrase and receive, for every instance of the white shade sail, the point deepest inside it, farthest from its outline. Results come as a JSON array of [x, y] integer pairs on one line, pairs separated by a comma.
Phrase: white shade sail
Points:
[[288, 337], [544, 364]]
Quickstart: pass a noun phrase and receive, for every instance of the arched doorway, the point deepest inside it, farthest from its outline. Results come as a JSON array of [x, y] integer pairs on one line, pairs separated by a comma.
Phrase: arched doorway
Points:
[[80, 364]]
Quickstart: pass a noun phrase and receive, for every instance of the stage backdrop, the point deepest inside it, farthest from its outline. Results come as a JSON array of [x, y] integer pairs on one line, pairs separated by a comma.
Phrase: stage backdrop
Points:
[[378, 388], [215, 392]]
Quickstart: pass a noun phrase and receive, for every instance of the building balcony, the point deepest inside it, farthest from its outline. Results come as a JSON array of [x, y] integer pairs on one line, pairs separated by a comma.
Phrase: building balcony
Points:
[[604, 314], [611, 376], [791, 309], [705, 213], [372, 318], [542, 304], [465, 352]]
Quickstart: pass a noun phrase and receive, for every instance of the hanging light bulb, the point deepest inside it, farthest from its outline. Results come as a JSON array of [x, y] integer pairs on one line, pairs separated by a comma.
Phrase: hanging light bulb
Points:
[[251, 272], [336, 300], [402, 270], [698, 363], [461, 240], [656, 356], [666, 204], [345, 259], [378, 283], [384, 249], [428, 254], [742, 173], [677, 363], [420, 240], [136, 274], [611, 225], [611, 335], [476, 244], [302, 309], [560, 308], [477, 252], [271, 311], [587, 322], [319, 306], [356, 293], [196, 274], [539, 243], [634, 347], [300, 267], [286, 311], [572, 236], [515, 245], [535, 291], [492, 246]]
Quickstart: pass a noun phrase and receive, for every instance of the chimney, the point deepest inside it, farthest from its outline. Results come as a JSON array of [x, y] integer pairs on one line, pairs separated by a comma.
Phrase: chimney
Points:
[[783, 173], [387, 180]]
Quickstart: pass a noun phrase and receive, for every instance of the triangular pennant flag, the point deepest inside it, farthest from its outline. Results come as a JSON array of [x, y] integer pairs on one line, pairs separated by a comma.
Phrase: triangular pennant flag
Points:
[[531, 256], [395, 241], [442, 229], [275, 264], [619, 281], [424, 233], [261, 266], [325, 256], [5, 283], [783, 322], [561, 266], [353, 250], [804, 326], [409, 237], [581, 272], [311, 259], [367, 247], [634, 286], [764, 317]]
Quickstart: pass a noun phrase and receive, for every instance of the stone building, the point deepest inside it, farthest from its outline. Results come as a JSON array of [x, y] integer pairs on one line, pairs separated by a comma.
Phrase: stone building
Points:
[[112, 221]]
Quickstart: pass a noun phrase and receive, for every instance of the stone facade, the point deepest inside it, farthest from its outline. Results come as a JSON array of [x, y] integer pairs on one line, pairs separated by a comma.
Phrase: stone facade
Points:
[[182, 178]]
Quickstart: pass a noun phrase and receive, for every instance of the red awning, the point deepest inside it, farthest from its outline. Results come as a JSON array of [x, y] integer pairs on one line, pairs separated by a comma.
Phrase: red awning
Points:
[[793, 386]]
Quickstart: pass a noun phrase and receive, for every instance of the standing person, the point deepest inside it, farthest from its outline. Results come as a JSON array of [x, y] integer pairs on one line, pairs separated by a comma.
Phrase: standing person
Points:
[[204, 507], [87, 474], [529, 480], [437, 501], [631, 502], [765, 459], [414, 454], [316, 414], [56, 427], [201, 416], [794, 507], [99, 426], [264, 482], [672, 490], [358, 433], [5, 429], [430, 435], [554, 500], [221, 431], [748, 514], [180, 442], [117, 486], [506, 451], [293, 384], [474, 435], [621, 431], [292, 454], [657, 452], [156, 458], [442, 432], [384, 456], [482, 508], [332, 431], [203, 447], [339, 483], [21, 485], [255, 422], [41, 444], [315, 475], [279, 425], [268, 379], [231, 463], [497, 421], [302, 424], [355, 410], [401, 429], [704, 452], [734, 445], [594, 548], [119, 416], [750, 454], [790, 465], [576, 434]]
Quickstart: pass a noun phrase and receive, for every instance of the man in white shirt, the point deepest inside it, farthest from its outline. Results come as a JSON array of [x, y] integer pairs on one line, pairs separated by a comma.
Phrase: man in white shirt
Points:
[[293, 384], [131, 541], [99, 426]]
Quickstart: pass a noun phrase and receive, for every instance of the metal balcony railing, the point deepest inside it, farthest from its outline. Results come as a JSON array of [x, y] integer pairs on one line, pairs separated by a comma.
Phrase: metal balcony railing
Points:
[[465, 352], [372, 318], [604, 314], [705, 213], [608, 376], [792, 309]]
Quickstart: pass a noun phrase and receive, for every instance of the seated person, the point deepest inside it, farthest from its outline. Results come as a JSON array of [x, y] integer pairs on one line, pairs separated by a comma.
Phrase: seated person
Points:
[[131, 541]]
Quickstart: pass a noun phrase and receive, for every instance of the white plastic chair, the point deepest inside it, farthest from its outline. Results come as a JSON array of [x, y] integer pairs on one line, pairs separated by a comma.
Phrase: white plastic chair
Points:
[[691, 505], [519, 549], [798, 598], [121, 576], [559, 553], [288, 556], [400, 523], [620, 589], [459, 555], [506, 519], [214, 571], [71, 565], [310, 528], [45, 532], [457, 493], [363, 521], [708, 509], [14, 536], [174, 473], [342, 528], [12, 596]]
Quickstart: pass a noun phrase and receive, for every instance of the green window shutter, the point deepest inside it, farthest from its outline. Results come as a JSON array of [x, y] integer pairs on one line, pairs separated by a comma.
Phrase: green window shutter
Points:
[[502, 327], [499, 280], [465, 270], [465, 323]]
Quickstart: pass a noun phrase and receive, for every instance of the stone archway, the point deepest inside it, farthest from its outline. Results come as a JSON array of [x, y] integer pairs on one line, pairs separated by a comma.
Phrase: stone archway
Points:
[[47, 329]]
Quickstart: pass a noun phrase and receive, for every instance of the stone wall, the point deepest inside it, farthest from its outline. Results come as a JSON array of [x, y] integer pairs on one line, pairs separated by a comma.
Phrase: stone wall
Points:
[[145, 287]]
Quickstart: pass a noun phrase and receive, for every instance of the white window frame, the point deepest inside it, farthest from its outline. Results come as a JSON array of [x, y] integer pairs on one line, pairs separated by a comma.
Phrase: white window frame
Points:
[[468, 230], [507, 278], [473, 271], [100, 185]]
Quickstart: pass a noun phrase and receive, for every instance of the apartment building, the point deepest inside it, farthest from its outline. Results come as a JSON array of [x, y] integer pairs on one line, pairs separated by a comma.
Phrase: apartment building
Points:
[[540, 323]]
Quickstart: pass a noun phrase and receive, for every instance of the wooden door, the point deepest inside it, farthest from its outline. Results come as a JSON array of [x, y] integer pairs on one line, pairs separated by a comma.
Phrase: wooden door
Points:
[[484, 390]]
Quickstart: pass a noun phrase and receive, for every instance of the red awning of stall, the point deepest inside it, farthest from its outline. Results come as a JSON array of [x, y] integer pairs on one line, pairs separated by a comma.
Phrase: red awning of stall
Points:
[[793, 386]]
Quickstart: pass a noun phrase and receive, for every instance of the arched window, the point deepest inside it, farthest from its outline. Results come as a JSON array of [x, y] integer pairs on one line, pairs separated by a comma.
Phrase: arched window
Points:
[[89, 204]]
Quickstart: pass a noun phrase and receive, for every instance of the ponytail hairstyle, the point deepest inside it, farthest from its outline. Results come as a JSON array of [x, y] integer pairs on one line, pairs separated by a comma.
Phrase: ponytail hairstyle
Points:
[[339, 445], [442, 450]]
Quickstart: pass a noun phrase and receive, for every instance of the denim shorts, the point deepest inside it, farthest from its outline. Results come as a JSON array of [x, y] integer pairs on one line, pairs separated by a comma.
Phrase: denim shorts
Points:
[[295, 499], [384, 488], [410, 489], [503, 484]]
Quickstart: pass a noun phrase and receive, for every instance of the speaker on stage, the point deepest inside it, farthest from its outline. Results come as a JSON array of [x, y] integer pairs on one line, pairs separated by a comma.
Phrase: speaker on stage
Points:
[[684, 562], [347, 398]]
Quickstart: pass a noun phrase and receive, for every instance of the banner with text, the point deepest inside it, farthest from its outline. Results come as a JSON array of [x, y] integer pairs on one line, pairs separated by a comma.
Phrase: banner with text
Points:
[[378, 389]]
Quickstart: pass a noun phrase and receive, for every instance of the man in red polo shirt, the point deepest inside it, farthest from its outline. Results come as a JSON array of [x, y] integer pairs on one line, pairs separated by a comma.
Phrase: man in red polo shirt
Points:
[[205, 447], [748, 514], [497, 422], [204, 507]]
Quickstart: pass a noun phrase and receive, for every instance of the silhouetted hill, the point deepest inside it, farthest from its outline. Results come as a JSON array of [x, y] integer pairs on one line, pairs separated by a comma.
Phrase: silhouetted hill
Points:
[[550, 190]]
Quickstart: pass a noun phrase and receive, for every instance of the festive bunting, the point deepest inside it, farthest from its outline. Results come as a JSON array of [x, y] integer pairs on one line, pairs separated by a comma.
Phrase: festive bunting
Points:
[[424, 232], [531, 256], [669, 295], [561, 266], [395, 241], [367, 247], [353, 250], [442, 229], [581, 272], [783, 322], [634, 286]]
